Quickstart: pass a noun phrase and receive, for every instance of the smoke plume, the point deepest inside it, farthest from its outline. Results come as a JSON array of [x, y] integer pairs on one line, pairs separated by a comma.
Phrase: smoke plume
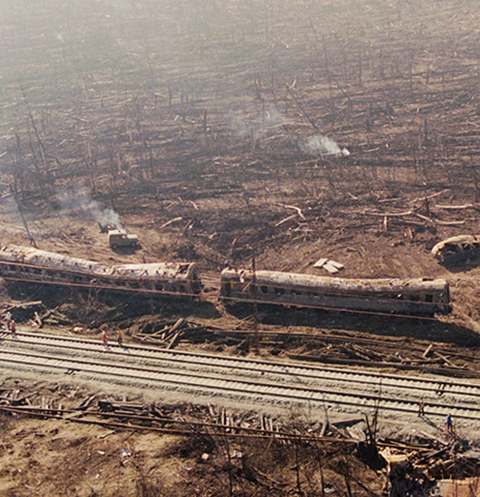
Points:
[[78, 201], [322, 145]]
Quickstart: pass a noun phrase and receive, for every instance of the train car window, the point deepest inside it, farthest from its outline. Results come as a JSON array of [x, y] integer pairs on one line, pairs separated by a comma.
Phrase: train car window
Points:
[[264, 289], [227, 289], [414, 298], [429, 297], [295, 292], [182, 289], [279, 291]]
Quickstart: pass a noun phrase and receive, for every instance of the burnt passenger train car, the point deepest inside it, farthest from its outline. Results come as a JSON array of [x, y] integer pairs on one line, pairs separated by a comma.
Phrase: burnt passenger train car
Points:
[[417, 296], [38, 266]]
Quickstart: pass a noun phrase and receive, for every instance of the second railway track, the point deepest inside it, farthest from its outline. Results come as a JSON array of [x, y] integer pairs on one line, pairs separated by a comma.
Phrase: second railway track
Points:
[[244, 381]]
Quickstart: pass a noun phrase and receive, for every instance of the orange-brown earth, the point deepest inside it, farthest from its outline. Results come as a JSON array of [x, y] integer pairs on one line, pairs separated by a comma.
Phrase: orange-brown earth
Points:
[[198, 125]]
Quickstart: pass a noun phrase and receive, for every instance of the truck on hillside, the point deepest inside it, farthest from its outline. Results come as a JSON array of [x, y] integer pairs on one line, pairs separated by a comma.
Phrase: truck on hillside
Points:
[[120, 238]]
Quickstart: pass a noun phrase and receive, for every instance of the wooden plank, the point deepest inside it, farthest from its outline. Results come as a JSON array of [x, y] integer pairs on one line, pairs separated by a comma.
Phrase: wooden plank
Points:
[[428, 350], [173, 341], [320, 262], [331, 269], [336, 264]]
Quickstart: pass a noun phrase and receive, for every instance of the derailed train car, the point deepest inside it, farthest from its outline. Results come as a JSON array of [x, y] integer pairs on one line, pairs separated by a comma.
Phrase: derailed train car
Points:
[[38, 266], [417, 296]]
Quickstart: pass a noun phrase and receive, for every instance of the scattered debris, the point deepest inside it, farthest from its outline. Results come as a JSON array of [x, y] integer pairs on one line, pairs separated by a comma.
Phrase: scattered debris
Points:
[[164, 333], [105, 227], [412, 467], [469, 487], [353, 354], [51, 317], [332, 267], [320, 263], [457, 249], [172, 221], [295, 208]]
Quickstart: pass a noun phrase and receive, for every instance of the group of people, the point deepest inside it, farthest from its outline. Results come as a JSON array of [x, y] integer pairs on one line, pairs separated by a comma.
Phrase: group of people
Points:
[[119, 338], [448, 421], [8, 321]]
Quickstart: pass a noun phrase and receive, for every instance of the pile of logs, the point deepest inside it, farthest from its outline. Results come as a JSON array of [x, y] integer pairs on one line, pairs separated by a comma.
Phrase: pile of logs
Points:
[[167, 334], [329, 349], [413, 468], [186, 419], [36, 314], [51, 317], [353, 354], [14, 398]]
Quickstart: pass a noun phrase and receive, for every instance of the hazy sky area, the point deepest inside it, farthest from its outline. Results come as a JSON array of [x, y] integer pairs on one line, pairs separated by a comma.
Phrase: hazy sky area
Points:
[[110, 86]]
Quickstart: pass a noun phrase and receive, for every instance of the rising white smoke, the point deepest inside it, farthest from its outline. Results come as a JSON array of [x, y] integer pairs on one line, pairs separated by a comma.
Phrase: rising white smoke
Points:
[[322, 145], [77, 201]]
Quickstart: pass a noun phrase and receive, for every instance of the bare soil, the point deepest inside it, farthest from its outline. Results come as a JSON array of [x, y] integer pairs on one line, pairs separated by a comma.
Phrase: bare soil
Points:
[[200, 126]]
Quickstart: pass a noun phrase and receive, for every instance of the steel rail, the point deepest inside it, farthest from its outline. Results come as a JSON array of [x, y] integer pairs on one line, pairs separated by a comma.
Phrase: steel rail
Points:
[[237, 386], [252, 365]]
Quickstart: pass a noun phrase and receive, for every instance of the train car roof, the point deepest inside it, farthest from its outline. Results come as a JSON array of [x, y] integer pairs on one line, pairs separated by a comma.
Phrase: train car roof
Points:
[[42, 258], [287, 280]]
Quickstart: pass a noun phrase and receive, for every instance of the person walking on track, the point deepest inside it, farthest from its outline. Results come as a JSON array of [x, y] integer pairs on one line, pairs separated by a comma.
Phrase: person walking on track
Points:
[[449, 423], [421, 407], [8, 319]]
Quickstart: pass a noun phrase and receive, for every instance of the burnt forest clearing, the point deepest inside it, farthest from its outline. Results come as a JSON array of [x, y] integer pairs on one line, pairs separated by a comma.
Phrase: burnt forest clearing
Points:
[[221, 131]]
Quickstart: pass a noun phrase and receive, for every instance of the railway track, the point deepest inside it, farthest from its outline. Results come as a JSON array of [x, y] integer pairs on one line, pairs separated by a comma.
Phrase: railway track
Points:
[[247, 382]]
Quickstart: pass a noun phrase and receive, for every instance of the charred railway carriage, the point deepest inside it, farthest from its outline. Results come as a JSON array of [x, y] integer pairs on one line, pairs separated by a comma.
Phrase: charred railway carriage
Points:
[[400, 296], [38, 266], [418, 296]]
